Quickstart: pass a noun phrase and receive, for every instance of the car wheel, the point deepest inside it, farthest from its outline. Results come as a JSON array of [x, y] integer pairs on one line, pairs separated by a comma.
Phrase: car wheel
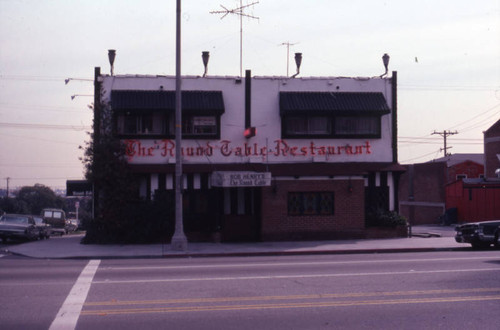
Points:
[[496, 242]]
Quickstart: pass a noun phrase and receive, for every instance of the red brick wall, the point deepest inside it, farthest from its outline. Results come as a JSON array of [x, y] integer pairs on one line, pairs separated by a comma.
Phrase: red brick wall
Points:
[[347, 221]]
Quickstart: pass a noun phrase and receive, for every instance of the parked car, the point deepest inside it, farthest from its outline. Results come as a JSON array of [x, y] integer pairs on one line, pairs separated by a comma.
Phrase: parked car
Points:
[[479, 234], [18, 226], [57, 219], [71, 225], [44, 229]]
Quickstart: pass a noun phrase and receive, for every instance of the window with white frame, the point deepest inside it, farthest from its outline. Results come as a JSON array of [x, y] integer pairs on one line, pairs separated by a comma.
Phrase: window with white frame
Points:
[[199, 125], [331, 126], [307, 126], [357, 125], [140, 124]]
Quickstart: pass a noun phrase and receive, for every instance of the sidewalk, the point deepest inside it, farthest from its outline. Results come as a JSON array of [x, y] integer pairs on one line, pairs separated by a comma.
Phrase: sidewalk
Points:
[[425, 238]]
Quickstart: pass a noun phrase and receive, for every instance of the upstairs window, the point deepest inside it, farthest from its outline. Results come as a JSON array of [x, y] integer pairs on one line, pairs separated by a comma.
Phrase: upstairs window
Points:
[[199, 126], [309, 126], [331, 127], [140, 124], [151, 113], [357, 126], [332, 115]]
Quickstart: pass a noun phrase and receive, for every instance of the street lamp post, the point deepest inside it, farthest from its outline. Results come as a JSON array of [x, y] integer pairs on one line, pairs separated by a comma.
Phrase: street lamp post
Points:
[[179, 240]]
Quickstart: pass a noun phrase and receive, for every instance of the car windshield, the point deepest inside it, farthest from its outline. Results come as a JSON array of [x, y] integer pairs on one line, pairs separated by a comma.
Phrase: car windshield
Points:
[[38, 220], [15, 219]]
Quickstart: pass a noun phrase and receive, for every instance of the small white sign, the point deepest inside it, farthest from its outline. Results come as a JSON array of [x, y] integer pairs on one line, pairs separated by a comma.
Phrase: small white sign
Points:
[[240, 179]]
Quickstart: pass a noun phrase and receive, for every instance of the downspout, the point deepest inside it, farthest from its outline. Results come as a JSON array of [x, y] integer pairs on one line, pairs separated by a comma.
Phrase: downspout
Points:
[[394, 81], [248, 99]]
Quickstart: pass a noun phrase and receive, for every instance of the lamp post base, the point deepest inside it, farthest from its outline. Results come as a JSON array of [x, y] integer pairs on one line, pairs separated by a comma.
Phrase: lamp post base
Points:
[[179, 242]]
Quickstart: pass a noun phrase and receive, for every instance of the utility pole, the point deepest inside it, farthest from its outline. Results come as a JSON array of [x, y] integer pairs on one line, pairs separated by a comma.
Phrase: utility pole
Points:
[[8, 179], [237, 11], [445, 134], [179, 239]]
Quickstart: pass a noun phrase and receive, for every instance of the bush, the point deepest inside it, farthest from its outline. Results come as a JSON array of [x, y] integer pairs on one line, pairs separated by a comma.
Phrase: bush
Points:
[[138, 222], [383, 218]]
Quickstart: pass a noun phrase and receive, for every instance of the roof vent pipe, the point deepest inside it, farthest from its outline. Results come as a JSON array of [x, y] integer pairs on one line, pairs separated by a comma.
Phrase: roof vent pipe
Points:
[[205, 56], [385, 59], [298, 61], [111, 57]]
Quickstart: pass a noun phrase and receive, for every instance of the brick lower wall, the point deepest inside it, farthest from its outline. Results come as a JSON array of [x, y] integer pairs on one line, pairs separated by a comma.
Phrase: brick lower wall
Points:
[[346, 222]]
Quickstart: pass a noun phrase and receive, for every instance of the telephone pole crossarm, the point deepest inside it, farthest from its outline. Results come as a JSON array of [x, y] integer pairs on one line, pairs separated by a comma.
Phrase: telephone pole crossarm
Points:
[[445, 134]]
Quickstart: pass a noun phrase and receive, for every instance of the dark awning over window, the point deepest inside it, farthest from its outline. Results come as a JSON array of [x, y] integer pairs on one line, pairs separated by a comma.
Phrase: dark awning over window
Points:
[[199, 102], [325, 103]]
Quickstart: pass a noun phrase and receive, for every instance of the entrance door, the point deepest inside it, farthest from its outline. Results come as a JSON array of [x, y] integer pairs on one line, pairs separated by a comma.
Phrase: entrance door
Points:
[[241, 220]]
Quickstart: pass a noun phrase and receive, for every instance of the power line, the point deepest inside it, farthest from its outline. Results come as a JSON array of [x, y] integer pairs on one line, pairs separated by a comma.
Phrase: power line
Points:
[[441, 88], [41, 78], [431, 153], [43, 108], [478, 115], [45, 126], [483, 122], [44, 140], [47, 178]]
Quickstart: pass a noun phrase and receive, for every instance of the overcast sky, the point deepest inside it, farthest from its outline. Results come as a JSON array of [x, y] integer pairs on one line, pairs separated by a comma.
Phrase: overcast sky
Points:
[[446, 52]]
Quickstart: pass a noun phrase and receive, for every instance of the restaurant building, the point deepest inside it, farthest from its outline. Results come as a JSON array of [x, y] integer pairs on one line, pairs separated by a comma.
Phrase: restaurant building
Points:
[[264, 158]]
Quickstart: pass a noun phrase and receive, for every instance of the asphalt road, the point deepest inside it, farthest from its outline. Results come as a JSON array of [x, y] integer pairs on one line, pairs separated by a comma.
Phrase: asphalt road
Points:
[[438, 290]]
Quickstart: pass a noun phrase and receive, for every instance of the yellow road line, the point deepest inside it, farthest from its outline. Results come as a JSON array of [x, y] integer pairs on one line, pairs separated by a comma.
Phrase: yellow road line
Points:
[[288, 297], [181, 309]]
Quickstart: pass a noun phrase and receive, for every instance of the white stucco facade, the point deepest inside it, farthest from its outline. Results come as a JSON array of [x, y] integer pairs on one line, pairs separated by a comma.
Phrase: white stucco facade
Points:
[[267, 146]]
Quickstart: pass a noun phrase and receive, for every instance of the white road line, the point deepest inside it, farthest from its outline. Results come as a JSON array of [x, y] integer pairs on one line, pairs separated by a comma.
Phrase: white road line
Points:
[[279, 264], [70, 310], [275, 277]]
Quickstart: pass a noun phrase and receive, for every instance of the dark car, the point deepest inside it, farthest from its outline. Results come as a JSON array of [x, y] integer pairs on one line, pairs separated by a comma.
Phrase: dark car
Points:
[[479, 234], [44, 229], [57, 219], [18, 226]]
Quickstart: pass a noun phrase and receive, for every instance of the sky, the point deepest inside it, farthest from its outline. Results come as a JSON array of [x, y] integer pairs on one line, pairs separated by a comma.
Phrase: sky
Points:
[[446, 53]]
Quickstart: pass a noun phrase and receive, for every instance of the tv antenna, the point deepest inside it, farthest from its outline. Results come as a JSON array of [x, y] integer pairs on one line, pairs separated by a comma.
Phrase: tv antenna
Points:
[[287, 44], [240, 12]]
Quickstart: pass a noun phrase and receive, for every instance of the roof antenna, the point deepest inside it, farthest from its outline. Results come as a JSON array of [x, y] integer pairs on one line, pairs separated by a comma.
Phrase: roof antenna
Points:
[[385, 59], [298, 61], [287, 44], [205, 56], [240, 12]]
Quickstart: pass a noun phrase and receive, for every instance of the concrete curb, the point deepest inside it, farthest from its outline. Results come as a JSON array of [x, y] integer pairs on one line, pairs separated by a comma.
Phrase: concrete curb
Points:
[[248, 254]]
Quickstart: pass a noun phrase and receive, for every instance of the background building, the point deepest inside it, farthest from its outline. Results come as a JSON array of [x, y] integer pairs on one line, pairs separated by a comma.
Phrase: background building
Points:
[[422, 190], [478, 199]]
